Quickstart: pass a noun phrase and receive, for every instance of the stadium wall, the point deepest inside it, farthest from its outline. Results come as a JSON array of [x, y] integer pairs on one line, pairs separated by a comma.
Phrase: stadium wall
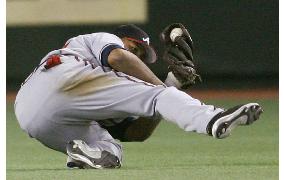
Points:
[[236, 42]]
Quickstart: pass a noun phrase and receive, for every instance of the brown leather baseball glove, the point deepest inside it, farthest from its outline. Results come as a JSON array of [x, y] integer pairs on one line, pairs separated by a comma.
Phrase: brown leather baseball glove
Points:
[[178, 55]]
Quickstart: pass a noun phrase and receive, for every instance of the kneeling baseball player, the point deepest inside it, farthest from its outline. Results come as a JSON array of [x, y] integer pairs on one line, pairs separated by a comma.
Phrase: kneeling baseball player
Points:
[[97, 88]]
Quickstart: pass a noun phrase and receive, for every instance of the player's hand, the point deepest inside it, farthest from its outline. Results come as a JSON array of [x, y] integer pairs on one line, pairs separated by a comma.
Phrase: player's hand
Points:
[[182, 68], [179, 55]]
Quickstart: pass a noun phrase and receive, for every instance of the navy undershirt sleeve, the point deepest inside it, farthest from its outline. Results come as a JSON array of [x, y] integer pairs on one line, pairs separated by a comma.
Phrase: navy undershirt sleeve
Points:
[[105, 53]]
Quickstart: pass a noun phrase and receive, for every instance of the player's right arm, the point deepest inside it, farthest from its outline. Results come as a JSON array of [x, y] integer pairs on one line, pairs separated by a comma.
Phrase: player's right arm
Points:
[[128, 63]]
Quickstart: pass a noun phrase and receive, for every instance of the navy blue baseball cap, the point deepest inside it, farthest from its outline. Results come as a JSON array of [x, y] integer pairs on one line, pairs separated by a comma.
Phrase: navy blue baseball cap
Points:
[[136, 34]]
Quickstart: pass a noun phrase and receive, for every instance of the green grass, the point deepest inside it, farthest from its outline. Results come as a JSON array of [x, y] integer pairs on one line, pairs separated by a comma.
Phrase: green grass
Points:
[[250, 153]]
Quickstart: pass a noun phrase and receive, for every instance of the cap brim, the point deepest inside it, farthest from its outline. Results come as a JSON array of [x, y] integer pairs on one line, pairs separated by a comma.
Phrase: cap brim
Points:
[[151, 55]]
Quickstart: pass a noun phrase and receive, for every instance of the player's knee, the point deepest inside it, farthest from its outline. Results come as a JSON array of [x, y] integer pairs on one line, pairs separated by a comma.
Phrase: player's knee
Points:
[[136, 137], [133, 130], [140, 130], [143, 138]]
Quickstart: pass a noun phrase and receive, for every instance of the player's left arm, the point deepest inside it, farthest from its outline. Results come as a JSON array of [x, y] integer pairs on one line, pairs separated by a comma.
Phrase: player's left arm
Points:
[[126, 62], [109, 51]]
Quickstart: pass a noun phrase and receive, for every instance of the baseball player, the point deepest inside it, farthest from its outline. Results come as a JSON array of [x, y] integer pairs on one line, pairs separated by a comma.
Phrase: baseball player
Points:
[[98, 88]]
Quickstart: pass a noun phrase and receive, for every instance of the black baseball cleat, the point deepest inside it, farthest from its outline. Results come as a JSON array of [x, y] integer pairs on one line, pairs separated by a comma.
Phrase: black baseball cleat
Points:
[[80, 155], [223, 123], [72, 163]]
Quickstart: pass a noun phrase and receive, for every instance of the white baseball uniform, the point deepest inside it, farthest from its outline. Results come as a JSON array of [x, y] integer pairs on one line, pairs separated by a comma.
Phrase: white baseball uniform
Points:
[[65, 102]]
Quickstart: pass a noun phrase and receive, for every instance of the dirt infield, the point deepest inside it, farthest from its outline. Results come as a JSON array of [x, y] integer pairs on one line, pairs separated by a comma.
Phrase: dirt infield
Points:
[[235, 94], [213, 94]]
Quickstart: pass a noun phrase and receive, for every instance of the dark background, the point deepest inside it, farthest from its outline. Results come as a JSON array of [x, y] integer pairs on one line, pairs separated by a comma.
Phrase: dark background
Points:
[[236, 42]]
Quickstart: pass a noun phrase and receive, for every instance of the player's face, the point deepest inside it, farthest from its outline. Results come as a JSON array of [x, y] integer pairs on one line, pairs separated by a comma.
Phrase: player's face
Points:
[[135, 48]]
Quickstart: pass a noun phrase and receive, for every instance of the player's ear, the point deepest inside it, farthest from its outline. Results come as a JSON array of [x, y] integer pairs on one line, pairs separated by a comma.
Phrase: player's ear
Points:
[[126, 43], [123, 41]]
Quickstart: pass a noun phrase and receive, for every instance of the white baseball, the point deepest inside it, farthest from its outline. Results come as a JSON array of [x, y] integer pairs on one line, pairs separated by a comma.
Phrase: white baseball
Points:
[[175, 33]]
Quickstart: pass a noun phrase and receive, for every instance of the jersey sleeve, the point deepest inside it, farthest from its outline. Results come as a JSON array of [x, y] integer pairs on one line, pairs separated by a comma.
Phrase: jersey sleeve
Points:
[[102, 44]]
